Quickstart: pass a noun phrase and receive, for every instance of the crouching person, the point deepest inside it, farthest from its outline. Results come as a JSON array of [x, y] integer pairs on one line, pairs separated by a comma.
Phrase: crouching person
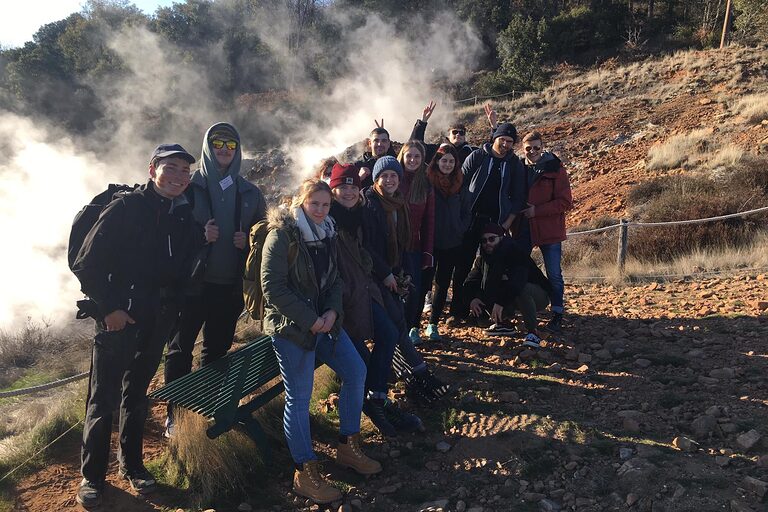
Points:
[[133, 265], [504, 279], [302, 296]]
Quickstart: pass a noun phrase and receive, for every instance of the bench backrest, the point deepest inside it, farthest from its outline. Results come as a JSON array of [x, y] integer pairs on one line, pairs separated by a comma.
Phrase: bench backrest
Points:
[[215, 390]]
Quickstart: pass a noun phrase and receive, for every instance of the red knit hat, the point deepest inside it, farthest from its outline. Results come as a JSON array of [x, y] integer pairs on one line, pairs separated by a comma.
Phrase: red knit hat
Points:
[[494, 229], [344, 174]]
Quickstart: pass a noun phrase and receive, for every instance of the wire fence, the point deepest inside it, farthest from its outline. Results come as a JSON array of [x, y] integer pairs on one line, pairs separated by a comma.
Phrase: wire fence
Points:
[[475, 99]]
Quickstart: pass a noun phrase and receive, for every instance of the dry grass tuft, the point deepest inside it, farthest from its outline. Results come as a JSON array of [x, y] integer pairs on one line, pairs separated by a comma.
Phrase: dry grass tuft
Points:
[[679, 150], [753, 107], [213, 468]]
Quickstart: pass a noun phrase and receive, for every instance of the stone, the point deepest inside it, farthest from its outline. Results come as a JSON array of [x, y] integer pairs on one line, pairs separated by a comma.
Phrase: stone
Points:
[[442, 447], [740, 506], [722, 373], [714, 411], [585, 358], [438, 504], [547, 505], [632, 498], [432, 465], [582, 369], [509, 397], [722, 460], [630, 425], [533, 496], [759, 487], [389, 489], [635, 471], [244, 507], [643, 363], [763, 461], [685, 444], [603, 354], [748, 440], [461, 506], [625, 453], [704, 425]]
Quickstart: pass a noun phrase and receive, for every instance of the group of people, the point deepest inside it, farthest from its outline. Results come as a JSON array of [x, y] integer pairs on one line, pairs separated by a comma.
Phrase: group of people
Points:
[[344, 274]]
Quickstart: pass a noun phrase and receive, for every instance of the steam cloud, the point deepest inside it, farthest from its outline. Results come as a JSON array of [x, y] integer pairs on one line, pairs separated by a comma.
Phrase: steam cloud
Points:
[[47, 176]]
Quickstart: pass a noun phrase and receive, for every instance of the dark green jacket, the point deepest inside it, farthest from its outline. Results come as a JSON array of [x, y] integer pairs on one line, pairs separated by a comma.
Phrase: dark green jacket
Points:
[[292, 298]]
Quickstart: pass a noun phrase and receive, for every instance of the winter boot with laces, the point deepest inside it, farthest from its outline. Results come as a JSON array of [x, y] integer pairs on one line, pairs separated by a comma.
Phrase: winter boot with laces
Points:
[[311, 484], [374, 409], [401, 420], [350, 454]]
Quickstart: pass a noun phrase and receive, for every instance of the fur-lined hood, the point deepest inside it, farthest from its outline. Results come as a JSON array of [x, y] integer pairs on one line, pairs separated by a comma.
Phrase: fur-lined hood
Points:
[[281, 217]]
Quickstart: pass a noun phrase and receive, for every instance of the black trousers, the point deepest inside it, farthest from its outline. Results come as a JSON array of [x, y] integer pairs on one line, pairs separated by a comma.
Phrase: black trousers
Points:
[[464, 260], [122, 366], [215, 310], [446, 261]]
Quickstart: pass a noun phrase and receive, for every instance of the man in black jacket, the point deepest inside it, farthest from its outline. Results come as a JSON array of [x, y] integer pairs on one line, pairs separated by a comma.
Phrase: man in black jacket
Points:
[[504, 279], [133, 265], [377, 144]]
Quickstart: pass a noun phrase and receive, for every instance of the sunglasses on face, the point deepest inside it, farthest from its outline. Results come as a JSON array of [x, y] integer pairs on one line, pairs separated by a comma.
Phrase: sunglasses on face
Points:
[[458, 132], [218, 144], [532, 148], [489, 239]]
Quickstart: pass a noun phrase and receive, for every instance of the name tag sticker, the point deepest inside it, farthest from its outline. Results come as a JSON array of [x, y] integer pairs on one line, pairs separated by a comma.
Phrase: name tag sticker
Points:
[[226, 182]]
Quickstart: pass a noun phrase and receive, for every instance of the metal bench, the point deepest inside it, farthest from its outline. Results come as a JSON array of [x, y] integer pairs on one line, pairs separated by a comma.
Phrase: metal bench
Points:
[[215, 390]]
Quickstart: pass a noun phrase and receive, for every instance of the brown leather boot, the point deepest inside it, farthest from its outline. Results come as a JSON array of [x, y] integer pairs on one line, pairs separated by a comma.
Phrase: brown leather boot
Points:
[[351, 455], [311, 484]]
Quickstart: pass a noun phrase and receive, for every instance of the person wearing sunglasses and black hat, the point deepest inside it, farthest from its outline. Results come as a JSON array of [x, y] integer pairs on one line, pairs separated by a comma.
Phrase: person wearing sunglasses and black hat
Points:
[[505, 279], [227, 205], [456, 134], [133, 265]]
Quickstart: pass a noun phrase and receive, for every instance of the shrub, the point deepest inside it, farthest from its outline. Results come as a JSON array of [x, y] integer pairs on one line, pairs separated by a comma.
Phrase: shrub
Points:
[[753, 107], [679, 150]]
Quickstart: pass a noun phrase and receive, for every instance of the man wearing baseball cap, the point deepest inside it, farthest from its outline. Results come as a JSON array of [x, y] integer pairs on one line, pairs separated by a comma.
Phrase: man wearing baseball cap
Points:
[[133, 265]]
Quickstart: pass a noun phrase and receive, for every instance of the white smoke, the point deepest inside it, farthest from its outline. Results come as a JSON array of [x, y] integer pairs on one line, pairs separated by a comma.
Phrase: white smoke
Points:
[[47, 176]]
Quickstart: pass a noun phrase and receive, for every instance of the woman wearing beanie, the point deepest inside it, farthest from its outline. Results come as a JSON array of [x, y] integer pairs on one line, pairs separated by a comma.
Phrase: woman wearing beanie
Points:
[[453, 214], [302, 313], [386, 236], [418, 260], [365, 310]]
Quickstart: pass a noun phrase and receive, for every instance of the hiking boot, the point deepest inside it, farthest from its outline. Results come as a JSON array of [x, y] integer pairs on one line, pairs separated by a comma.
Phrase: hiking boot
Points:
[[432, 333], [432, 385], [311, 484], [414, 336], [401, 420], [89, 493], [350, 454], [374, 409], [555, 325], [170, 428], [141, 479], [532, 340], [500, 329]]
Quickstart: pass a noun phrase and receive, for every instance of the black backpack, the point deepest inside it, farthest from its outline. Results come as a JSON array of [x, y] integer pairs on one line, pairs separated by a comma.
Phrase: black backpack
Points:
[[87, 217]]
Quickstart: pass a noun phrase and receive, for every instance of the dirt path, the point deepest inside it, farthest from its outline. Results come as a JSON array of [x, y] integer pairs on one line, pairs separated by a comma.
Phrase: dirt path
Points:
[[587, 423]]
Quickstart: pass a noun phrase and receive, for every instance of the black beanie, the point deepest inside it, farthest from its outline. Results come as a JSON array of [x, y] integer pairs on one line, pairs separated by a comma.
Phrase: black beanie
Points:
[[505, 129]]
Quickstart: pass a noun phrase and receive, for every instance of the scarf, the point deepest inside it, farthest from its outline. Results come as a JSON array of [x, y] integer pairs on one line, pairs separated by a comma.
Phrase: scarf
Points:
[[398, 224], [447, 185], [349, 220]]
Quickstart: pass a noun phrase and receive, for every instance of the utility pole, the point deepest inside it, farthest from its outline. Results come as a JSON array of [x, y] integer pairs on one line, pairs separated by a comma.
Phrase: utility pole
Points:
[[726, 25]]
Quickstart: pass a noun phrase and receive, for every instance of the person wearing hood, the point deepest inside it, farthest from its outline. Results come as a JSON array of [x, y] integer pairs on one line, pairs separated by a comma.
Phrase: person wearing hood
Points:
[[133, 265], [549, 198], [303, 314], [495, 179], [227, 205]]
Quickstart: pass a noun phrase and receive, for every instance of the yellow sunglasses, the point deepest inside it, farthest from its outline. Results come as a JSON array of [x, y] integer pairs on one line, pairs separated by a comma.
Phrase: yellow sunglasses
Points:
[[218, 144]]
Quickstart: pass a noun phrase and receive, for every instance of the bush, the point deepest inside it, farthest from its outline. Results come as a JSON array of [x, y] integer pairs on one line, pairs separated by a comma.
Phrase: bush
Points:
[[753, 107], [695, 197], [679, 150]]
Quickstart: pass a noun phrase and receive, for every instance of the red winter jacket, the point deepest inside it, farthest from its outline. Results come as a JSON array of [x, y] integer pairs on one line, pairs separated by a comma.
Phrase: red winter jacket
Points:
[[550, 192]]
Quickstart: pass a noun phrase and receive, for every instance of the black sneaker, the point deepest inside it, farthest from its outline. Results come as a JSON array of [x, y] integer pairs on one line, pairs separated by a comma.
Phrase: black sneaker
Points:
[[500, 330], [401, 420], [89, 493], [555, 325], [532, 340], [141, 479], [432, 385], [374, 409]]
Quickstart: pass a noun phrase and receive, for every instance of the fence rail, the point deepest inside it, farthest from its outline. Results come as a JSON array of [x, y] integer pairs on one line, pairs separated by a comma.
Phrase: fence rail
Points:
[[475, 99]]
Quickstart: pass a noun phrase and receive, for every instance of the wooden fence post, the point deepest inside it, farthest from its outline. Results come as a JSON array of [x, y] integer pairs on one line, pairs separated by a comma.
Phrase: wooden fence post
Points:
[[621, 256]]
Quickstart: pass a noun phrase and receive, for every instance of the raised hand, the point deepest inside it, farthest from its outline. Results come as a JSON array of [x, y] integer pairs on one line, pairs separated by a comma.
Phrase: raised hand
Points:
[[377, 123], [491, 114], [427, 112]]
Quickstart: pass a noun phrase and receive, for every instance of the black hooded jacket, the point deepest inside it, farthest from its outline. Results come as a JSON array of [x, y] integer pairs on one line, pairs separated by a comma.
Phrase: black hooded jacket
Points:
[[138, 253]]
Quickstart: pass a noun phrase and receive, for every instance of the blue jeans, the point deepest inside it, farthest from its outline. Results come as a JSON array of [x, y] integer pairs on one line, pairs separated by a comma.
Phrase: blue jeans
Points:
[[297, 367], [552, 254], [379, 361]]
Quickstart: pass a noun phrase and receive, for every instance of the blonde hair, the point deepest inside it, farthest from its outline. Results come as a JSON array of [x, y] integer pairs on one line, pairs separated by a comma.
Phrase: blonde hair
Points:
[[307, 188], [420, 184]]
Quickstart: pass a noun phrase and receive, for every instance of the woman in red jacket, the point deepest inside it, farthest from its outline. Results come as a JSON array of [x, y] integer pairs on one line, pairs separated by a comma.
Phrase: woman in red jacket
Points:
[[549, 197]]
